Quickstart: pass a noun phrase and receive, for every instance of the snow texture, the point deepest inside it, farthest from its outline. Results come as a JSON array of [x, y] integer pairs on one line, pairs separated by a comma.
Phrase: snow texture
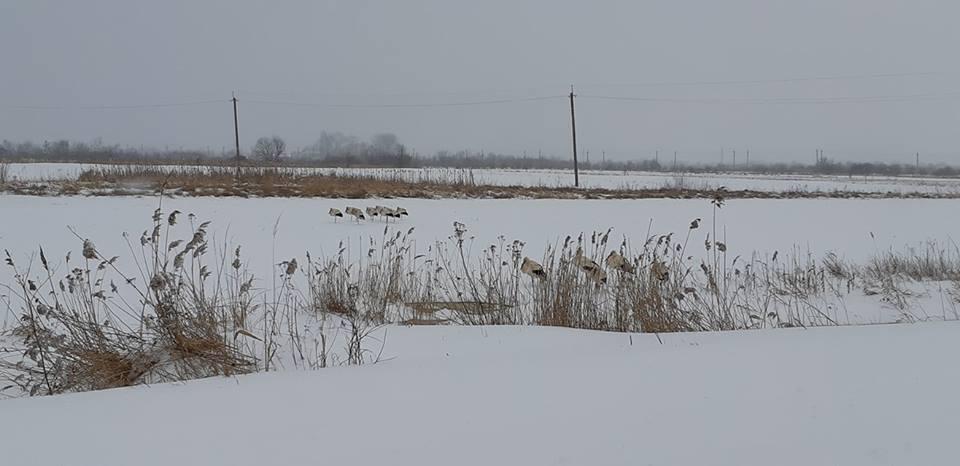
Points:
[[874, 395]]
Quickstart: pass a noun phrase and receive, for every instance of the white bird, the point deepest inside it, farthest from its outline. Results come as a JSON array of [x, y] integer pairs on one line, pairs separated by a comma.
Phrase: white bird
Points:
[[401, 211], [532, 268], [356, 213], [388, 212], [376, 211], [335, 213], [590, 267], [616, 261]]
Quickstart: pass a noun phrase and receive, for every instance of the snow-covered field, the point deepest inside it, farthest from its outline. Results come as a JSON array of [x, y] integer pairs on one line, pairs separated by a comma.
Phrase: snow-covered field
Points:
[[588, 179], [875, 395]]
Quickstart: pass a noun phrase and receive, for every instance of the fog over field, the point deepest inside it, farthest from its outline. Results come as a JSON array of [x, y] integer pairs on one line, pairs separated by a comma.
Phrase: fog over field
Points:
[[861, 79]]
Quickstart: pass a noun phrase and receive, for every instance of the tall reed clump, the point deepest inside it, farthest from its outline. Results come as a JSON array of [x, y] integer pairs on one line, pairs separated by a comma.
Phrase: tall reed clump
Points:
[[476, 292], [566, 296], [79, 331], [656, 289], [392, 282], [930, 261], [175, 308], [362, 296], [891, 274], [667, 287]]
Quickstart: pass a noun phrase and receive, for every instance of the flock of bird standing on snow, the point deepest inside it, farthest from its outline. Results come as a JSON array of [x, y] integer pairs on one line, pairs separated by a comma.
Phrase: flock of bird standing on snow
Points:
[[378, 211]]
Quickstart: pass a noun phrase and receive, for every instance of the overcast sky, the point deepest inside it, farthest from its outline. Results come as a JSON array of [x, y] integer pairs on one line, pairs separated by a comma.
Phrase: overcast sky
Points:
[[728, 74]]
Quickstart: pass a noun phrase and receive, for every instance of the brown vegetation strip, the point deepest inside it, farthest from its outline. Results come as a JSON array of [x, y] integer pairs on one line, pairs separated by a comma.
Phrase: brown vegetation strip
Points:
[[273, 183]]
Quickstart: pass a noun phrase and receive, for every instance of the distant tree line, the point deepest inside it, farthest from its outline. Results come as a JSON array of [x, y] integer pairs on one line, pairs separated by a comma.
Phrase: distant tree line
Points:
[[334, 149], [342, 150], [66, 151]]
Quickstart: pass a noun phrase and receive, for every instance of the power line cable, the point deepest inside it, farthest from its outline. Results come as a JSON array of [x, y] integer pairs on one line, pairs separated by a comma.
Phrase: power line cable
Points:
[[642, 84], [781, 100], [476, 93], [413, 105], [769, 81], [111, 107], [676, 100]]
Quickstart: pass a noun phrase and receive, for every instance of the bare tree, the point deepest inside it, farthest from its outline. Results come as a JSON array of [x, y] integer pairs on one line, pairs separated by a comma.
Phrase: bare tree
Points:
[[404, 157], [335, 144], [269, 149], [384, 143]]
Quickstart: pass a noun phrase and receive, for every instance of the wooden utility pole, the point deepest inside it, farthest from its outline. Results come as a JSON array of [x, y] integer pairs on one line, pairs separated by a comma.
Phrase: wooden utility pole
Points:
[[573, 129], [748, 158], [236, 134], [918, 163], [674, 160], [734, 159]]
